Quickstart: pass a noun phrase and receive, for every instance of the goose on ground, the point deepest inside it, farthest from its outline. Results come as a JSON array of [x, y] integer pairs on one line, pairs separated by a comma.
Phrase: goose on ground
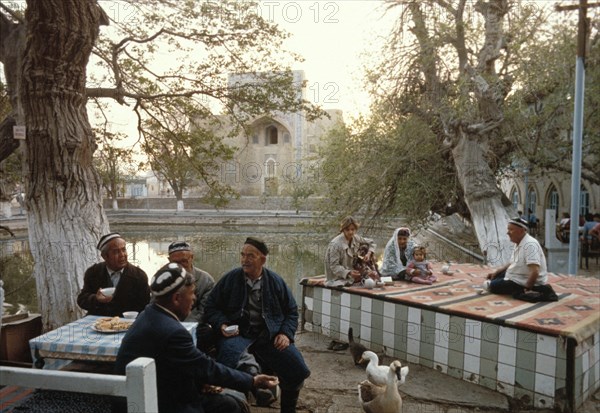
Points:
[[383, 399]]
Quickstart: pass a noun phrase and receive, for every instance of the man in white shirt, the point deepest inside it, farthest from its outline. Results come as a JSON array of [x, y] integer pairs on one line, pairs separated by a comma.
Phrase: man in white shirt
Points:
[[527, 268]]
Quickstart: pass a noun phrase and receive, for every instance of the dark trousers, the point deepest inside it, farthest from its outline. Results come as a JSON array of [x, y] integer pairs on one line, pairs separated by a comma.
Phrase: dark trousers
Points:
[[501, 286], [287, 364]]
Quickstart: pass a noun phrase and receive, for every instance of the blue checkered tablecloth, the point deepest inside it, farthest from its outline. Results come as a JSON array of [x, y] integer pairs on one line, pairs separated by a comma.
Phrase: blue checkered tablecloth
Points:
[[78, 341]]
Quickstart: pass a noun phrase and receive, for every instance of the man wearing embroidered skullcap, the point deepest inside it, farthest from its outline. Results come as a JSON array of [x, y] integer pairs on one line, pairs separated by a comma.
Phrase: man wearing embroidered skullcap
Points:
[[263, 307], [131, 292], [181, 253], [526, 272], [185, 376]]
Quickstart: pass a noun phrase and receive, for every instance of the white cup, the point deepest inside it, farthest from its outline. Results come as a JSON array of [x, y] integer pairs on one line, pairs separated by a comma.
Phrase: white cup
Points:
[[232, 329], [445, 269]]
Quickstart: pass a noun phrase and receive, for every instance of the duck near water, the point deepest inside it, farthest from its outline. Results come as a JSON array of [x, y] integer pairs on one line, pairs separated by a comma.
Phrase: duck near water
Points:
[[383, 399]]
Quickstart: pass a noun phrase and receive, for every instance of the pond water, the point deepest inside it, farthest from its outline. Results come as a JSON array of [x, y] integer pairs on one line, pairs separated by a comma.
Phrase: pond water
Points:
[[295, 253]]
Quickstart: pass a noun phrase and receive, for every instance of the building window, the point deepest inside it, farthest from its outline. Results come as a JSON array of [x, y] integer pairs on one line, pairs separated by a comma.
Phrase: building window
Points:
[[532, 199], [584, 201], [514, 196], [271, 135], [553, 200]]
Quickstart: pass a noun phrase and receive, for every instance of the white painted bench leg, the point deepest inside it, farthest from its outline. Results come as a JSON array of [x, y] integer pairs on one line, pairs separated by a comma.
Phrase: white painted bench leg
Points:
[[141, 386]]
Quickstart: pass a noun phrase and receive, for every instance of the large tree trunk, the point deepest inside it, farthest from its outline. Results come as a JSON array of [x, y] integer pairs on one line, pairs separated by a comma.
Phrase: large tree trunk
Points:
[[63, 197], [484, 199]]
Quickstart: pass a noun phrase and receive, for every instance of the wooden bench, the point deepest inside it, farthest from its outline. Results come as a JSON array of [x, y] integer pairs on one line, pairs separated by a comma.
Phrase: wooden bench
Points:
[[138, 385]]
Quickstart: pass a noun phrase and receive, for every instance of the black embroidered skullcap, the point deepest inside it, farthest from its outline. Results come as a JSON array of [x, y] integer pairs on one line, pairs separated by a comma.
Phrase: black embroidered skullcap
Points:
[[179, 246], [404, 232], [106, 239], [520, 222], [259, 244], [168, 278]]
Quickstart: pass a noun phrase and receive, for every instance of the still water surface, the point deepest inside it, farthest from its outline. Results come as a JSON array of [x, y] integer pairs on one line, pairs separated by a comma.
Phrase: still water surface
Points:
[[295, 253]]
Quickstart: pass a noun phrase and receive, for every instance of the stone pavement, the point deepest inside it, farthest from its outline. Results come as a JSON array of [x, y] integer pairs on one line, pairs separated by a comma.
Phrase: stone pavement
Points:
[[332, 387]]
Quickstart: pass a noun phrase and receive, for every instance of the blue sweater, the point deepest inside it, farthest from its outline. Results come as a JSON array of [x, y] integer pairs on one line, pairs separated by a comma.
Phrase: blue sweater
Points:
[[227, 301]]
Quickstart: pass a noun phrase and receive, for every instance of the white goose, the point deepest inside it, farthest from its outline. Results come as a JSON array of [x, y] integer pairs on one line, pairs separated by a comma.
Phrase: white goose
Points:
[[376, 374], [383, 399]]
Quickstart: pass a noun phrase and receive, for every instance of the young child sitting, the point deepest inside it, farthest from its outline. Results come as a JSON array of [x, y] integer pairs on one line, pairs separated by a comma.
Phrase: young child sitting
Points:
[[366, 266], [425, 273]]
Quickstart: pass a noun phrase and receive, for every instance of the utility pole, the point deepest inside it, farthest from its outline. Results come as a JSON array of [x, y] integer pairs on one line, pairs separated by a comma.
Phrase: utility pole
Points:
[[582, 34]]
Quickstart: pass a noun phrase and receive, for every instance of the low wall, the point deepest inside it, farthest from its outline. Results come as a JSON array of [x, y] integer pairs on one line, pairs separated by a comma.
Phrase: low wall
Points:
[[244, 202]]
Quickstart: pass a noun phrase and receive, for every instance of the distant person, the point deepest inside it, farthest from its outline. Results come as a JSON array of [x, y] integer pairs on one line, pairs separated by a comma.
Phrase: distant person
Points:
[[533, 221], [398, 252], [419, 270], [132, 292], [526, 276], [563, 228], [595, 232], [185, 376], [342, 251], [259, 302], [181, 253], [591, 220]]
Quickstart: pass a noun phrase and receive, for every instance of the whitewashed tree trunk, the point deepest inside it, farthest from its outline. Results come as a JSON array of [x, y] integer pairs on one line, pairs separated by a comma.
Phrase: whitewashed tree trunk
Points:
[[63, 198], [115, 204], [484, 199], [6, 209], [180, 206]]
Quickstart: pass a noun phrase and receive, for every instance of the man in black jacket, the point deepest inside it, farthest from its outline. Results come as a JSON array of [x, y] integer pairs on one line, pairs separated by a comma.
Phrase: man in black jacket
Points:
[[182, 371], [132, 292]]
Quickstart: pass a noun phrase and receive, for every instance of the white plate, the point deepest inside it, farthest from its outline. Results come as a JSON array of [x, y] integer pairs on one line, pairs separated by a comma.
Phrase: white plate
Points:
[[112, 331]]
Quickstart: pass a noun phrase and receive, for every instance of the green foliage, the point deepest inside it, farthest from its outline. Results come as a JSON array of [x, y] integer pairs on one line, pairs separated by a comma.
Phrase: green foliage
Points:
[[187, 153], [114, 164], [389, 167], [10, 168]]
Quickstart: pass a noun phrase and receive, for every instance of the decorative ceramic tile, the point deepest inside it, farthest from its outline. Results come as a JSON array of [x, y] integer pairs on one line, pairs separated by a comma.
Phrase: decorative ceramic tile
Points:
[[326, 295], [473, 329], [490, 333], [545, 364], [388, 324], [366, 304], [544, 384], [546, 345], [526, 340], [344, 325], [326, 309], [365, 334], [345, 300], [389, 309], [413, 347], [472, 364], [506, 373], [308, 303], [472, 346], [507, 336], [388, 340], [414, 315], [507, 355], [365, 318], [526, 360], [345, 313], [441, 355]]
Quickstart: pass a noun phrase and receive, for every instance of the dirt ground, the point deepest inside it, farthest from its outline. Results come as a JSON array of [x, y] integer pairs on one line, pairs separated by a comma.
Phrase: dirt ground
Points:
[[332, 387]]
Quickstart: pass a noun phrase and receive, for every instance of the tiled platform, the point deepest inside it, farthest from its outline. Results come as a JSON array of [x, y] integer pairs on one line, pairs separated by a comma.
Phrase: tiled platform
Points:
[[543, 354]]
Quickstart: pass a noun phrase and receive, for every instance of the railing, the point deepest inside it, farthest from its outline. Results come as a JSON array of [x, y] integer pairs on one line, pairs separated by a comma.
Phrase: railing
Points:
[[138, 385]]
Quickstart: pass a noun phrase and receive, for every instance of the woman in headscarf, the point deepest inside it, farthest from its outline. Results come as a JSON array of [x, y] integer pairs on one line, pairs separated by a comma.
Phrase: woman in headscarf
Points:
[[341, 252], [398, 252]]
